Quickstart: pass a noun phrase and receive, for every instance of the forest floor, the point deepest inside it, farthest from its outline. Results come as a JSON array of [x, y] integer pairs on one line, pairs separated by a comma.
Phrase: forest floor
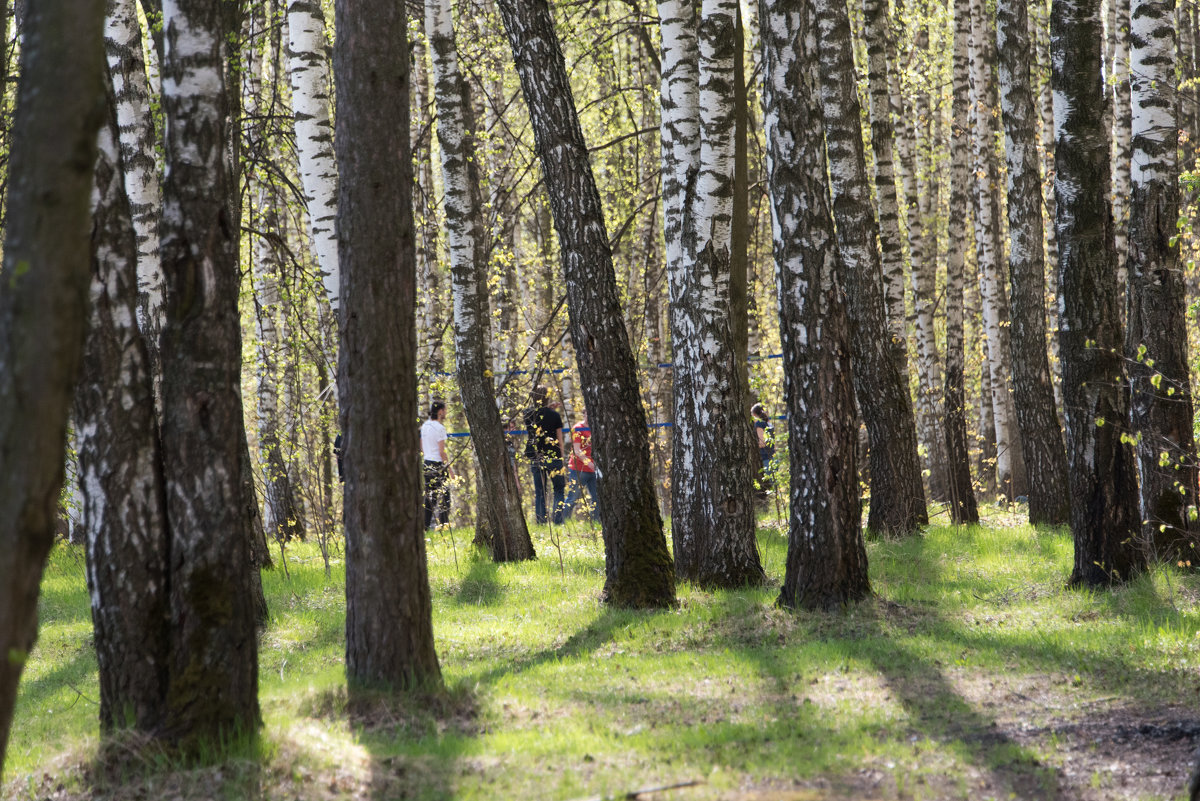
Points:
[[972, 673]]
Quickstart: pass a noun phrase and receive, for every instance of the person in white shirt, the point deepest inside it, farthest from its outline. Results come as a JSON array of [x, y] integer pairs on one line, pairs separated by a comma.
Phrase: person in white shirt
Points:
[[437, 467]]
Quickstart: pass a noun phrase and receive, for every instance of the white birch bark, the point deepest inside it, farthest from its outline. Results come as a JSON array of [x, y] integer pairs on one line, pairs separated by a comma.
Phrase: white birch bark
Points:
[[1157, 342], [308, 73], [960, 492], [826, 561], [1039, 24], [566, 383], [509, 353], [680, 137], [879, 48], [1189, 96], [1036, 417], [923, 278], [1122, 146], [124, 49], [879, 367], [989, 249], [431, 360], [278, 515], [712, 497], [120, 467]]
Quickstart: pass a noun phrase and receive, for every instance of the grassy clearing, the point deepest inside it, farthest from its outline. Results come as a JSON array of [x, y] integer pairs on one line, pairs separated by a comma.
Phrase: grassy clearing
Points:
[[972, 673]]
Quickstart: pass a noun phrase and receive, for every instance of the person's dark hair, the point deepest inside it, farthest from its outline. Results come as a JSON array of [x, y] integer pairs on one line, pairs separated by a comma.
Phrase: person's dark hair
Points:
[[540, 393], [758, 411], [434, 408]]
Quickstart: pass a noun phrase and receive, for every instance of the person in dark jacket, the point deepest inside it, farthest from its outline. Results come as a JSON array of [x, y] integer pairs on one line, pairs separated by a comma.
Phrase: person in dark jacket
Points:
[[544, 448]]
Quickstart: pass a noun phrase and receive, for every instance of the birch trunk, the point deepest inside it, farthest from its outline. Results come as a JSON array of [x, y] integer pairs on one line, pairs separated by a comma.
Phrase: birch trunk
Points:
[[879, 371], [503, 219], [1122, 150], [878, 35], [500, 522], [283, 509], [138, 140], [680, 140], [740, 232], [826, 561], [44, 306], [638, 565], [986, 430], [214, 661], [308, 74], [1010, 464], [1156, 341], [1040, 24], [1189, 92], [1101, 467], [233, 20], [1037, 419], [712, 503], [283, 516], [429, 333], [923, 285], [960, 492], [121, 466]]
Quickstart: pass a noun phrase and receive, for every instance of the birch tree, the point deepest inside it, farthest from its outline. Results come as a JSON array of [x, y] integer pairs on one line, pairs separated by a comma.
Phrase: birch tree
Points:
[[1010, 464], [1037, 419], [638, 568], [214, 664], [283, 508], [960, 492], [1039, 25], [120, 460], [826, 561], [1119, 76], [1101, 466], [501, 521], [138, 140], [712, 505], [1156, 339], [922, 276], [43, 302], [431, 361], [878, 34], [389, 610], [880, 371], [308, 74]]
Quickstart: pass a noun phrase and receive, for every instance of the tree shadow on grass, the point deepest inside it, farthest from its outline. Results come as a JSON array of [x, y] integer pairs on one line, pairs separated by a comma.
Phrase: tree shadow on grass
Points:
[[936, 710], [939, 712], [587, 640], [481, 586], [404, 744], [419, 743], [416, 740], [73, 671]]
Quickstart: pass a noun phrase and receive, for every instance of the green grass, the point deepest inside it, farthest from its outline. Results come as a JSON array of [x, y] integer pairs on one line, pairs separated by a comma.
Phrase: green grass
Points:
[[923, 691]]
